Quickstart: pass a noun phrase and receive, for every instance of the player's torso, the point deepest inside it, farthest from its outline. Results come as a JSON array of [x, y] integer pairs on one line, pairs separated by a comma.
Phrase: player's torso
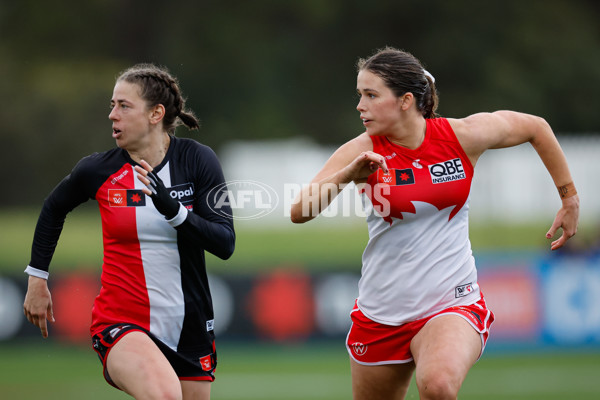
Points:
[[437, 173], [418, 254], [128, 215], [142, 265]]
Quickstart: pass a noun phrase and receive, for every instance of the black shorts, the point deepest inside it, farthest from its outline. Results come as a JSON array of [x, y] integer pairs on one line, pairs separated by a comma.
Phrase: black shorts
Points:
[[188, 365]]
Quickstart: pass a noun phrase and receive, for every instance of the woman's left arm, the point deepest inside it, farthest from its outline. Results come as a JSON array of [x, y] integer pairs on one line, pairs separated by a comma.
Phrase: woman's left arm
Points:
[[210, 225], [502, 129]]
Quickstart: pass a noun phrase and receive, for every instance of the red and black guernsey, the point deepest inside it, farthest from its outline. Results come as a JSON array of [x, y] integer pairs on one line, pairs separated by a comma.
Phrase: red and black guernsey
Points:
[[153, 272]]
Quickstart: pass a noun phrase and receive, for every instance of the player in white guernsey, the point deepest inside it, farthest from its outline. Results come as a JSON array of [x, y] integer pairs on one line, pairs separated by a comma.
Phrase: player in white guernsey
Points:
[[420, 308], [152, 323]]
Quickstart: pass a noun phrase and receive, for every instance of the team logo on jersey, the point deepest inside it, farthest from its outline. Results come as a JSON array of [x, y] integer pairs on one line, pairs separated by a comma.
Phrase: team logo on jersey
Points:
[[396, 177], [206, 362], [359, 349], [447, 171], [417, 164], [126, 198], [463, 290]]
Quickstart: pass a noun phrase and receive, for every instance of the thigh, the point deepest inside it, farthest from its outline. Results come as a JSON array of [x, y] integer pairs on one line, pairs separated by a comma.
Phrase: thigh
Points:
[[385, 382], [444, 350], [138, 367], [195, 390]]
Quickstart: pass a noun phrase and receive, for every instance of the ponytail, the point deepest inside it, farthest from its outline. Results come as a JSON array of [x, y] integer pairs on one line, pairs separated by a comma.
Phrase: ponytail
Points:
[[429, 101], [189, 119], [158, 86]]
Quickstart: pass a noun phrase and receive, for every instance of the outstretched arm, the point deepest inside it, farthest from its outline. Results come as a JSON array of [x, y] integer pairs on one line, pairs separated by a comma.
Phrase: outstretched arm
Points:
[[501, 129]]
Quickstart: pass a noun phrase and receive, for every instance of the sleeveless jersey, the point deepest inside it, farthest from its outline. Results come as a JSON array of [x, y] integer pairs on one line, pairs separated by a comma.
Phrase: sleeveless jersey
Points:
[[418, 259], [153, 271]]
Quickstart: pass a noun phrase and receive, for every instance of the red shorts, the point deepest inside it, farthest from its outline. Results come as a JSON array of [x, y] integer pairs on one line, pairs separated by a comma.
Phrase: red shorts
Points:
[[372, 343]]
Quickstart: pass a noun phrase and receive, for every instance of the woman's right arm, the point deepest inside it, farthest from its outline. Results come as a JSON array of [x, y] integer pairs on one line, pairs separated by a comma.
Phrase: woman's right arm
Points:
[[353, 161], [37, 305]]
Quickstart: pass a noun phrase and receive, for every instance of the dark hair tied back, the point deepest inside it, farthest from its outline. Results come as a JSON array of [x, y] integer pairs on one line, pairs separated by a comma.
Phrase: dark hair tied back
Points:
[[402, 72], [158, 86]]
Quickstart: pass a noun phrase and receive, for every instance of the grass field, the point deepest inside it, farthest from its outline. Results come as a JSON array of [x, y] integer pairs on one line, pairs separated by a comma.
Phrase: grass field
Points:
[[38, 369], [309, 371], [321, 244]]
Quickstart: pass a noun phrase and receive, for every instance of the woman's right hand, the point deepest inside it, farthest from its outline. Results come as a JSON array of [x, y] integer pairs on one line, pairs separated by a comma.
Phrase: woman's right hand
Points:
[[38, 304], [362, 166]]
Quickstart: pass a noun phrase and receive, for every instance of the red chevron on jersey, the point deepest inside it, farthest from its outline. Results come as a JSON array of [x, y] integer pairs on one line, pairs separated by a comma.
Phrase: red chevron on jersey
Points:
[[438, 173], [418, 260]]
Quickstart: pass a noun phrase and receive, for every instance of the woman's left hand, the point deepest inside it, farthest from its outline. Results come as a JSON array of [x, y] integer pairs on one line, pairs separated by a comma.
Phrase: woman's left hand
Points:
[[155, 188], [567, 218]]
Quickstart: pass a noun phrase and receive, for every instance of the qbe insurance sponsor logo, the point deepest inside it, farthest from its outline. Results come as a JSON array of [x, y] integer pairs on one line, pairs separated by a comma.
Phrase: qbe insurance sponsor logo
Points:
[[447, 171], [247, 199]]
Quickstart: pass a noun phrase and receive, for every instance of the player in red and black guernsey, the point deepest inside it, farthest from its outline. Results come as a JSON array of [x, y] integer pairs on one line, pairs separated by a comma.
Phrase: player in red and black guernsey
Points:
[[420, 308], [152, 323]]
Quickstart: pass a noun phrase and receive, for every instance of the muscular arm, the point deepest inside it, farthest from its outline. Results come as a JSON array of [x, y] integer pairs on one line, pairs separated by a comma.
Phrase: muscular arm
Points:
[[502, 129], [480, 132], [353, 161]]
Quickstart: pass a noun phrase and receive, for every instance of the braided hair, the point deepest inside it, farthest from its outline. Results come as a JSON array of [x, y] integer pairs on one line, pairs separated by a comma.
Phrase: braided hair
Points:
[[402, 72], [158, 86]]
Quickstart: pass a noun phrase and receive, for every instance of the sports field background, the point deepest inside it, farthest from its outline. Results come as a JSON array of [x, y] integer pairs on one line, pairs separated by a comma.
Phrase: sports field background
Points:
[[271, 70], [37, 368], [316, 245]]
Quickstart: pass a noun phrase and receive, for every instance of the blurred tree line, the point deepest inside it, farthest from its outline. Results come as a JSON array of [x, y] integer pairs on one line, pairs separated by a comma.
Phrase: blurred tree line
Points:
[[269, 69]]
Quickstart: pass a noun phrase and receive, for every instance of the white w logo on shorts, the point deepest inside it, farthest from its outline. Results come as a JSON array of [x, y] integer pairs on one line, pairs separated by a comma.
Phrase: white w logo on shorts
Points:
[[359, 348]]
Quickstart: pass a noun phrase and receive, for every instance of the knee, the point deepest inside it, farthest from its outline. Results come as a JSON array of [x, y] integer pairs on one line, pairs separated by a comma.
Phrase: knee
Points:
[[173, 393], [438, 386], [163, 389], [149, 385]]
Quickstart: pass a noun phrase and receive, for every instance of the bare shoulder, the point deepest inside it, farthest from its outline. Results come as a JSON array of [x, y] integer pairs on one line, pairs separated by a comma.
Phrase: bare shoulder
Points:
[[494, 123], [479, 132], [475, 124]]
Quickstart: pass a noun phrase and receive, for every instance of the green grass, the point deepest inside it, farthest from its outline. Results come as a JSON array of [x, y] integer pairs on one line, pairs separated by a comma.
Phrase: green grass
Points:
[[322, 244], [309, 371]]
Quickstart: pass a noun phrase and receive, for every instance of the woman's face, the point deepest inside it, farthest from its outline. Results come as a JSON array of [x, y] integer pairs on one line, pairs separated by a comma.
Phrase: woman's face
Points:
[[130, 116], [378, 106]]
